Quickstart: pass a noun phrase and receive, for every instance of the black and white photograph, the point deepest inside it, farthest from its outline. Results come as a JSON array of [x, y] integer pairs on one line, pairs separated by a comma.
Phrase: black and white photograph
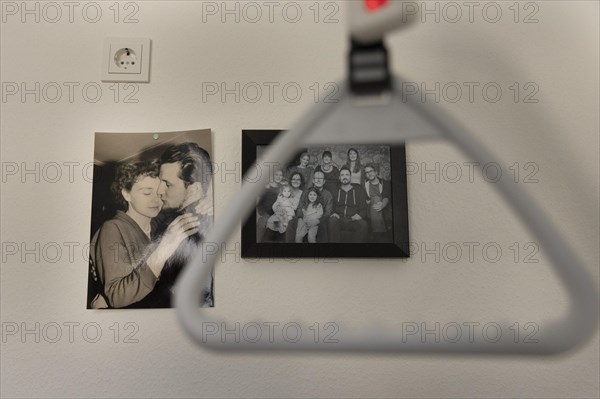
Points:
[[330, 200], [152, 205]]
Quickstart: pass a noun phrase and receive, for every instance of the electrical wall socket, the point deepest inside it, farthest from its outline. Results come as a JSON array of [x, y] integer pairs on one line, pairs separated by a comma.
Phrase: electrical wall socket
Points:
[[126, 60]]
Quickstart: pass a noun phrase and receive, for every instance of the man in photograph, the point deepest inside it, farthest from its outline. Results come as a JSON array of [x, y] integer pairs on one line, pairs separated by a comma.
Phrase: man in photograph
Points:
[[379, 197], [318, 181], [330, 171], [348, 222], [185, 188]]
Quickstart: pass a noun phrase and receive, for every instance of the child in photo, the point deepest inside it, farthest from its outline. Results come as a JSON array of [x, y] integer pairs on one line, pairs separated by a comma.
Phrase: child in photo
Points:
[[284, 210], [311, 217]]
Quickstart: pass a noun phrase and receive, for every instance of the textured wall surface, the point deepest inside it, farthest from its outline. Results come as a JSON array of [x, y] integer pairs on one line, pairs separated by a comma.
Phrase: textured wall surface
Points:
[[473, 260]]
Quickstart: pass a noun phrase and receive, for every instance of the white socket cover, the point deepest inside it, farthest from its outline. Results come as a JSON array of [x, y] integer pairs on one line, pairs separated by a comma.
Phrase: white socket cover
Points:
[[126, 60]]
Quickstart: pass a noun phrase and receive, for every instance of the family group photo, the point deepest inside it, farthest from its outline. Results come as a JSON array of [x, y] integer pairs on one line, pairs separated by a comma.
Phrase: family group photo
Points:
[[152, 205], [328, 201], [329, 194]]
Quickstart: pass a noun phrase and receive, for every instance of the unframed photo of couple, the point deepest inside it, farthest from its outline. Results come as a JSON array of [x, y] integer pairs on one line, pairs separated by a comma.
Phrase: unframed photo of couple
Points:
[[152, 205]]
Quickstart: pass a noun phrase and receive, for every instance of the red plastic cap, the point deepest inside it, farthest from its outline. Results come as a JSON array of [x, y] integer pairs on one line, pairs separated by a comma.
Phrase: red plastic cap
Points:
[[374, 5]]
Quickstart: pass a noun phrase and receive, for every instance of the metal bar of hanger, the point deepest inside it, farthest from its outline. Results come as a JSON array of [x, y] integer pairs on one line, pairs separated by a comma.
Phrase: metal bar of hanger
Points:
[[398, 120]]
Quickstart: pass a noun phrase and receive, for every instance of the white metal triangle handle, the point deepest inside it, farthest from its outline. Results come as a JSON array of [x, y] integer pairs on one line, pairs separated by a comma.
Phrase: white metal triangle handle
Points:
[[403, 119]]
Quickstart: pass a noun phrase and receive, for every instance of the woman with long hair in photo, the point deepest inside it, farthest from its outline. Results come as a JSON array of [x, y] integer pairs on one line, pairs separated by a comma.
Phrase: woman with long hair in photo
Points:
[[353, 163], [124, 263]]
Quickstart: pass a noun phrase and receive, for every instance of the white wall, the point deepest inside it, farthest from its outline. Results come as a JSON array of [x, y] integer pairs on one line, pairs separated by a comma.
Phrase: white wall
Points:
[[559, 54]]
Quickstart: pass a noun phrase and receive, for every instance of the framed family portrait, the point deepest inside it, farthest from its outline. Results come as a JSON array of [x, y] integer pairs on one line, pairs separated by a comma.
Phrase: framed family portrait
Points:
[[152, 206], [329, 201]]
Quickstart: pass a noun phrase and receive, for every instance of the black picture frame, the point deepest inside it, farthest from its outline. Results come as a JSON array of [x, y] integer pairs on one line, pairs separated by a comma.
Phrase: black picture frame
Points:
[[398, 248]]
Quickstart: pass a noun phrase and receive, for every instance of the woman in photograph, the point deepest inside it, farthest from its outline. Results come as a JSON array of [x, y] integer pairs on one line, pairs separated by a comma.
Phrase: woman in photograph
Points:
[[124, 264], [303, 168], [297, 183], [353, 163]]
